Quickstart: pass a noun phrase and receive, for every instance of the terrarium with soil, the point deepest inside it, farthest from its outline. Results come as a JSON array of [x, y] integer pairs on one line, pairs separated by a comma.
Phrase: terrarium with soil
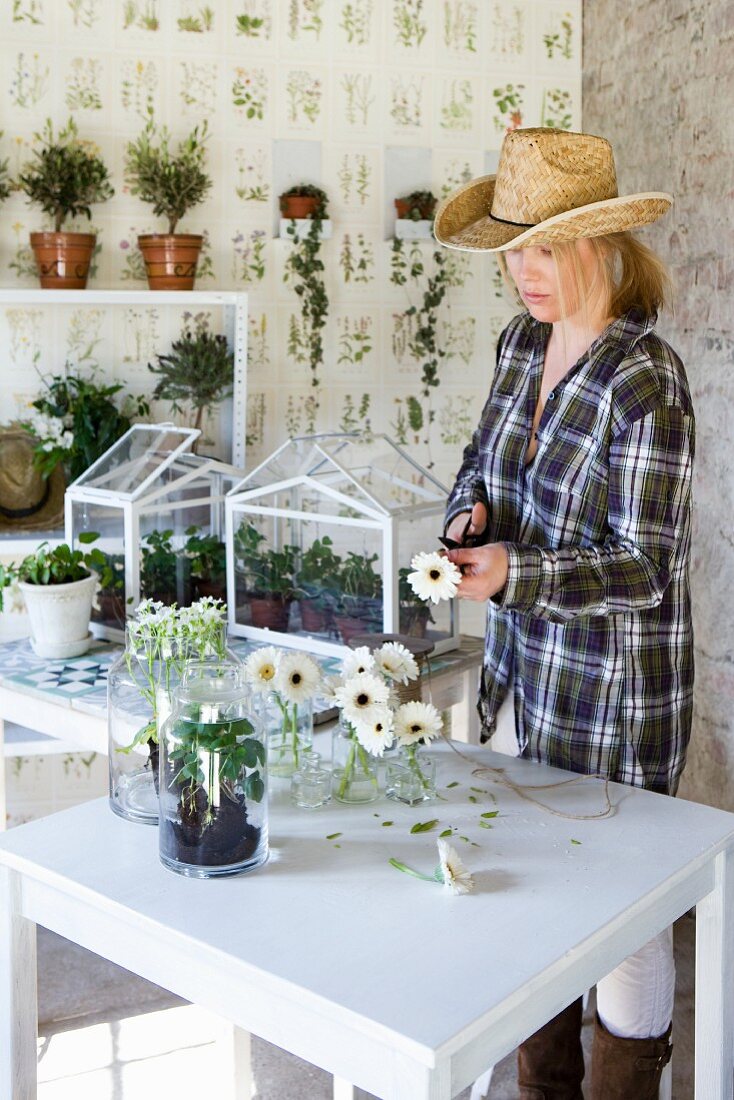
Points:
[[213, 790]]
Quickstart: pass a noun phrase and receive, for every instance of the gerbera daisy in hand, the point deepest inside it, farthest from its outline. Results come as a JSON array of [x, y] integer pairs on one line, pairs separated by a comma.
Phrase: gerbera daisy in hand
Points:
[[434, 577], [361, 698], [396, 662], [452, 871], [417, 722], [376, 735], [260, 668], [297, 678]]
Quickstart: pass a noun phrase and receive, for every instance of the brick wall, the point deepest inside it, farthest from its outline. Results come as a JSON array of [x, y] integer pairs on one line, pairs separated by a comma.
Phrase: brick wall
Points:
[[659, 83]]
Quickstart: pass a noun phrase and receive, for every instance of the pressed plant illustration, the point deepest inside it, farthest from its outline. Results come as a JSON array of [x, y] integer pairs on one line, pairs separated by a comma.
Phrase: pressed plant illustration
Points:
[[198, 88], [258, 356], [507, 24], [301, 413], [85, 13], [28, 11], [558, 40], [250, 92], [355, 176], [460, 25], [509, 106], [252, 182], [248, 257], [82, 85], [355, 340], [304, 92], [456, 112], [83, 337], [139, 86], [454, 174], [355, 414], [255, 20], [406, 107], [29, 81], [305, 17], [356, 259], [409, 22], [359, 98], [459, 339], [255, 426], [23, 262], [195, 19], [556, 109], [133, 265], [141, 334], [456, 420], [25, 328], [356, 17], [142, 14]]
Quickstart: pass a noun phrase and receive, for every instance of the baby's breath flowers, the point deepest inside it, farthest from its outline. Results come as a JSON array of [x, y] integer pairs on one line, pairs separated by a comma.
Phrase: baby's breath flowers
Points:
[[291, 679], [434, 577], [451, 871]]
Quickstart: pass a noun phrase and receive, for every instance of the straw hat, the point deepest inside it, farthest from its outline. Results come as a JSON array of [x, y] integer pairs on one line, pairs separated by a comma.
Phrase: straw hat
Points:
[[28, 501], [550, 186]]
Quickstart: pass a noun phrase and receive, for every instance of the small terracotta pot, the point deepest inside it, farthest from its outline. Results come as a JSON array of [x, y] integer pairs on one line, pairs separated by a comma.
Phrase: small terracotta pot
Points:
[[270, 612], [170, 259], [403, 209], [216, 590], [299, 206], [63, 259], [313, 618]]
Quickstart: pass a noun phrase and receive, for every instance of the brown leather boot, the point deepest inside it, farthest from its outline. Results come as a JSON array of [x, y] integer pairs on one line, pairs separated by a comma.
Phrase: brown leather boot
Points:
[[627, 1069], [550, 1064]]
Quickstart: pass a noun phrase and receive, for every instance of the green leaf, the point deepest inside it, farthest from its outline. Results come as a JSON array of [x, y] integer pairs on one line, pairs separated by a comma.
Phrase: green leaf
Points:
[[473, 798], [424, 826], [575, 841], [86, 537], [333, 836], [450, 785], [485, 824], [491, 813], [385, 823], [447, 832], [254, 787], [478, 790]]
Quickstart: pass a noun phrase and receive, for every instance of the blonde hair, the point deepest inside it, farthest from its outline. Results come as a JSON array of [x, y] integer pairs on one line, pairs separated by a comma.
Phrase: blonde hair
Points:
[[628, 275]]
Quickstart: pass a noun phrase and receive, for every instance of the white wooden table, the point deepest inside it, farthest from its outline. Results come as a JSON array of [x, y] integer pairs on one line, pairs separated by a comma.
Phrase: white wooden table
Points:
[[388, 982]]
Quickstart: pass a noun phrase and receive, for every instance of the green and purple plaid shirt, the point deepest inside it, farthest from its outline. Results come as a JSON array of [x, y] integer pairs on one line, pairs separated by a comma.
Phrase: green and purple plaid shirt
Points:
[[594, 623]]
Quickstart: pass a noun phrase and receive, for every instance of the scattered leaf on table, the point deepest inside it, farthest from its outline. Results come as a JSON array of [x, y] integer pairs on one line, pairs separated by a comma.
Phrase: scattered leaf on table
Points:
[[424, 826], [473, 798], [478, 790], [575, 841], [337, 845], [333, 836], [485, 824], [491, 813], [384, 823], [447, 832], [450, 785]]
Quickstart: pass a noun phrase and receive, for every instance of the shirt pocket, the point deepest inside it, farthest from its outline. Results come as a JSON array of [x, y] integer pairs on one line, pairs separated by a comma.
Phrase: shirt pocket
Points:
[[571, 461]]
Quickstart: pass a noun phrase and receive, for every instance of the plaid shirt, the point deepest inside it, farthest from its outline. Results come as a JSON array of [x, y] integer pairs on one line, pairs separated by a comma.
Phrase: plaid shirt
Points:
[[594, 623]]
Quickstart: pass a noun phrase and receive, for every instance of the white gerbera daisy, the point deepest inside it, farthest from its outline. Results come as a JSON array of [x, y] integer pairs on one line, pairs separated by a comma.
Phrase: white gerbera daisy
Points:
[[260, 668], [359, 660], [417, 722], [361, 698], [453, 872], [435, 577], [297, 677], [396, 662], [377, 734]]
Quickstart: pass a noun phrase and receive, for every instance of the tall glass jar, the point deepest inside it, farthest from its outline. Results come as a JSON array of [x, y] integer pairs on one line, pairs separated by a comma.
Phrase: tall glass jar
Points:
[[353, 769], [213, 777], [288, 729], [139, 687]]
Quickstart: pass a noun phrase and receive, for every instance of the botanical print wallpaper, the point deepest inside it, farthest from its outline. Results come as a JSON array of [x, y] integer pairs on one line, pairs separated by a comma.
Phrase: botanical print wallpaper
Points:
[[367, 83]]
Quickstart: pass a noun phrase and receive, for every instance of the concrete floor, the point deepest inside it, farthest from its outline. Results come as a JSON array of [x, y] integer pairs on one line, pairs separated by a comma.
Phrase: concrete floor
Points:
[[105, 1034]]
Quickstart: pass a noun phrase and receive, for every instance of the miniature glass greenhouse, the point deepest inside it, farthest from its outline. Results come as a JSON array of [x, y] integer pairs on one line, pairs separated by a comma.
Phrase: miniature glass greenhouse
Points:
[[159, 511], [319, 542]]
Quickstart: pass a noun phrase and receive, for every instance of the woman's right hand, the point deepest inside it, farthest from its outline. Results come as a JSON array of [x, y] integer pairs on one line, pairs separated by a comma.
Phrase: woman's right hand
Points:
[[477, 526]]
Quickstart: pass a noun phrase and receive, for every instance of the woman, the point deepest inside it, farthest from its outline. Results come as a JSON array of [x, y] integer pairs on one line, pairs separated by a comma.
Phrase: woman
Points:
[[577, 486]]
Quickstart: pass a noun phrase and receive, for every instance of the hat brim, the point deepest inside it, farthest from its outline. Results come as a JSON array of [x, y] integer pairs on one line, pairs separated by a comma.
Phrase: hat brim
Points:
[[462, 220], [50, 515]]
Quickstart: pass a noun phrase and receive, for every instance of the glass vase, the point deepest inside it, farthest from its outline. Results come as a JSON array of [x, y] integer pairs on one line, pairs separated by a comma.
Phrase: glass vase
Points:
[[310, 782], [289, 730], [139, 689], [213, 777], [353, 769], [411, 776]]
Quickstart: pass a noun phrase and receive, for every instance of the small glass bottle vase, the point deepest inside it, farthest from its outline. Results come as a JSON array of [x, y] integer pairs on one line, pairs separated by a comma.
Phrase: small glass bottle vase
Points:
[[289, 730], [213, 777], [410, 777], [310, 782], [353, 769]]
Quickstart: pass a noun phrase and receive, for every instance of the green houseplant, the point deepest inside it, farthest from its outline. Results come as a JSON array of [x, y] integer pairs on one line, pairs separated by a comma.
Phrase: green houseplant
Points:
[[304, 269], [360, 604], [65, 178], [268, 577], [303, 200], [417, 206], [57, 584], [207, 558], [162, 570], [318, 580], [198, 371], [172, 183]]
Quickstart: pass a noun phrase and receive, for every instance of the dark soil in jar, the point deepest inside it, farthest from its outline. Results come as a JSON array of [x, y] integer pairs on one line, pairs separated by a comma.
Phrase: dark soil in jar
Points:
[[227, 839]]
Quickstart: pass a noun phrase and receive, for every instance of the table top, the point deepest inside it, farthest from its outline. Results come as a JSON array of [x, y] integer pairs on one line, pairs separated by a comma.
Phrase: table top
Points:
[[331, 921], [81, 682]]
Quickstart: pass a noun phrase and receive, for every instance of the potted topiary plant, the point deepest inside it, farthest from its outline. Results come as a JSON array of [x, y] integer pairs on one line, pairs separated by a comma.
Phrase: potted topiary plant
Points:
[[172, 183], [417, 206], [268, 577], [58, 586], [207, 564], [66, 177], [198, 371], [304, 200], [318, 579], [360, 604], [304, 268]]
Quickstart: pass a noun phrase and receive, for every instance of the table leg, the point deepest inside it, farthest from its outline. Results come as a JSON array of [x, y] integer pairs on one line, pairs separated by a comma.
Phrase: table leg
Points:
[[242, 1082], [714, 983], [18, 1007], [3, 799], [464, 715], [343, 1090]]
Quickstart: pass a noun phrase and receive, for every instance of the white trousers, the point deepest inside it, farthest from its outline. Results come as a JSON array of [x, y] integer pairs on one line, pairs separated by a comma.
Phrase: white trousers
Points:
[[635, 1001]]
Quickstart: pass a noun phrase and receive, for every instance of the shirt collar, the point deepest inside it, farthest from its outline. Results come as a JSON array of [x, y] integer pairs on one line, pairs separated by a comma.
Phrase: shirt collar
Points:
[[624, 331]]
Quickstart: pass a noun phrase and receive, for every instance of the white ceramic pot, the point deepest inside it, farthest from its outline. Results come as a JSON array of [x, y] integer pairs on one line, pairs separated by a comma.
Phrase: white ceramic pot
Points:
[[59, 616]]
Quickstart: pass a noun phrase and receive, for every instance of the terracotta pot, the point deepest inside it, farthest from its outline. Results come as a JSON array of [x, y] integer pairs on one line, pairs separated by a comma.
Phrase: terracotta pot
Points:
[[313, 617], [170, 259], [270, 612], [218, 590], [403, 209], [297, 206], [63, 259]]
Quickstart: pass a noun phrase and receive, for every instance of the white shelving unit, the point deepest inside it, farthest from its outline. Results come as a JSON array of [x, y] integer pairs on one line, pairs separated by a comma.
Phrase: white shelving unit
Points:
[[234, 305]]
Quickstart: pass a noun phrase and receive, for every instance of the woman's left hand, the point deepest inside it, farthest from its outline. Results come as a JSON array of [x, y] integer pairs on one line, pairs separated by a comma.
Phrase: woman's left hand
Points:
[[484, 570]]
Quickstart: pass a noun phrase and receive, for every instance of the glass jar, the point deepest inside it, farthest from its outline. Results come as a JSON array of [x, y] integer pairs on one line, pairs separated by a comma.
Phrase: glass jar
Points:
[[311, 782], [213, 777], [411, 776], [353, 769], [139, 687], [288, 729]]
